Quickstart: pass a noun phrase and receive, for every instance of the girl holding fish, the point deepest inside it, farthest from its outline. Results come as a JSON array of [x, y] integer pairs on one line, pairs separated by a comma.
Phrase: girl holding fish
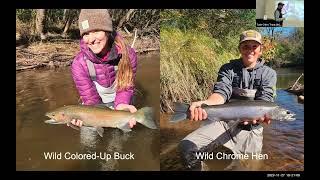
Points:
[[104, 70]]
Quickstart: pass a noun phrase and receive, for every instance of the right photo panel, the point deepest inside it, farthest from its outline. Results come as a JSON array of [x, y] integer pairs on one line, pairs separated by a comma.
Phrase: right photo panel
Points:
[[231, 90]]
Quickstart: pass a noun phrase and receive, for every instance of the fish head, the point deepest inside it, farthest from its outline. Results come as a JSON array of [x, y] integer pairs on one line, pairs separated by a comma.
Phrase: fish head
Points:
[[289, 116], [284, 114], [57, 116]]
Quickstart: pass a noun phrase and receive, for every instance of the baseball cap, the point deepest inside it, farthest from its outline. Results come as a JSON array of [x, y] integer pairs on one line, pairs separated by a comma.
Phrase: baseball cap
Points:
[[250, 35]]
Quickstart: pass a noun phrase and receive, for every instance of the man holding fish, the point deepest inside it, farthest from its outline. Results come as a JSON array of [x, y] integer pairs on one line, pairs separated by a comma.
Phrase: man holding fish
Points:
[[244, 78]]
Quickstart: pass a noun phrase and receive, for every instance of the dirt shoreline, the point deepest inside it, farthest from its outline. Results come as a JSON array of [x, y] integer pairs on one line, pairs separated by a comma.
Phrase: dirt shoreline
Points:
[[60, 52]]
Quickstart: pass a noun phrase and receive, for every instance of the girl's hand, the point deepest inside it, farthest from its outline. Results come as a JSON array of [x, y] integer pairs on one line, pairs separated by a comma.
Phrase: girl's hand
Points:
[[132, 122]]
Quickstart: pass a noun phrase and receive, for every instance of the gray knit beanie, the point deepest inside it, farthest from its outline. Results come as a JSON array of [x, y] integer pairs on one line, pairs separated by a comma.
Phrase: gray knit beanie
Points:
[[94, 19]]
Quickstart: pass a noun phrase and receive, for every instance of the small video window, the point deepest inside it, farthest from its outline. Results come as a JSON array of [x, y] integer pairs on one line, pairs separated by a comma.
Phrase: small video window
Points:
[[277, 13]]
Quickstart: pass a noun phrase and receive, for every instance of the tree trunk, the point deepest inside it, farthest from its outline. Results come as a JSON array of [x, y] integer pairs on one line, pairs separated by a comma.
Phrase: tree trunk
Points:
[[67, 20], [65, 11], [40, 23], [67, 26], [125, 18]]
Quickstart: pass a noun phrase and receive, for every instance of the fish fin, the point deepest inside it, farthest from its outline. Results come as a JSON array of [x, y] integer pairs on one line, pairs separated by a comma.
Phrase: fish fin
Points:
[[233, 126], [125, 127], [237, 121], [181, 112], [52, 121], [100, 131], [73, 126], [177, 117], [145, 116]]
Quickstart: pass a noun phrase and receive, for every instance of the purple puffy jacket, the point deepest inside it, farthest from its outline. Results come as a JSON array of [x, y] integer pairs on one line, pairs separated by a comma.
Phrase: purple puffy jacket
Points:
[[105, 75]]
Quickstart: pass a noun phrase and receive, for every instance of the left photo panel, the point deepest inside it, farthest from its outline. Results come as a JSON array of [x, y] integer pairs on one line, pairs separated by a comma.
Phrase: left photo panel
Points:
[[87, 89]]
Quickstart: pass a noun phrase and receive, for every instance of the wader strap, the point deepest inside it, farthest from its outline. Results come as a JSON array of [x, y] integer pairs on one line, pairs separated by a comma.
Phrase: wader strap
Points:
[[91, 69]]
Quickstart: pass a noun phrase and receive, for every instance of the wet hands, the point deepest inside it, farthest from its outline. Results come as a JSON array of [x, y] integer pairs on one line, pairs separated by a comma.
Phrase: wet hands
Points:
[[75, 122], [132, 122], [126, 107], [197, 113], [264, 119]]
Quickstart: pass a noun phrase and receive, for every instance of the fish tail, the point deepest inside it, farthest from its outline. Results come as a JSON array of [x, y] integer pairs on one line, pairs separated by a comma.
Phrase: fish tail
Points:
[[145, 117], [181, 112]]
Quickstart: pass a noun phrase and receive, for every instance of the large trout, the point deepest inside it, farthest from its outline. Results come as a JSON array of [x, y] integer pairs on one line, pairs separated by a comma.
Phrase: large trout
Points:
[[100, 117], [236, 110]]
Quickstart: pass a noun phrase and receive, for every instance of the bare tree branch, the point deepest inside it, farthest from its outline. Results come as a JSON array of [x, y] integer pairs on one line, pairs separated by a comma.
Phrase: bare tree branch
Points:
[[125, 18]]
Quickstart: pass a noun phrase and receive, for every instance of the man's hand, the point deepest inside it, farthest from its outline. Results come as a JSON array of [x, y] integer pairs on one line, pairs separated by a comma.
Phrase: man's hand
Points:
[[197, 113], [132, 122], [263, 119]]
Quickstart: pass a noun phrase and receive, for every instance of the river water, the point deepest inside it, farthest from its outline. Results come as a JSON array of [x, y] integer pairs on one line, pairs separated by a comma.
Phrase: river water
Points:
[[283, 142], [39, 91]]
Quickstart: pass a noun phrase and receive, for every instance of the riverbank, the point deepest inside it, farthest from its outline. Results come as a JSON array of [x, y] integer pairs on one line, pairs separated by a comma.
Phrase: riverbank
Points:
[[42, 90], [59, 52]]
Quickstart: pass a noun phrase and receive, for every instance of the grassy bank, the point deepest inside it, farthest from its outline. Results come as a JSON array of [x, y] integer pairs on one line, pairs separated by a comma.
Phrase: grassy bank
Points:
[[195, 43], [189, 65]]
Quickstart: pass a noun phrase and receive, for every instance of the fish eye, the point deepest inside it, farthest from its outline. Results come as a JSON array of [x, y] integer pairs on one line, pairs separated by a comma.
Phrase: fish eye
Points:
[[288, 112]]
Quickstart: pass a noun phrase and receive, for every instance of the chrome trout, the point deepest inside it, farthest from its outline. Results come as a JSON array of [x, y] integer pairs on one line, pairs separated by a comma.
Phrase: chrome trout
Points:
[[236, 110], [100, 117]]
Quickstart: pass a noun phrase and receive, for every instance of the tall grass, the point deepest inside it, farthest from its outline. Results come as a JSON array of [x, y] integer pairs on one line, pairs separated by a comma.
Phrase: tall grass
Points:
[[189, 65]]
